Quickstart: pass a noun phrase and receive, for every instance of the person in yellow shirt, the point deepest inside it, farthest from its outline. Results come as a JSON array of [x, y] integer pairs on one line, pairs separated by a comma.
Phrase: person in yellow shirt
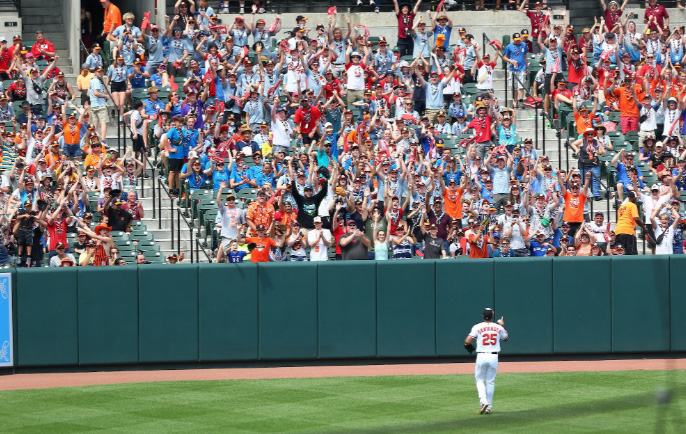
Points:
[[627, 219], [83, 81]]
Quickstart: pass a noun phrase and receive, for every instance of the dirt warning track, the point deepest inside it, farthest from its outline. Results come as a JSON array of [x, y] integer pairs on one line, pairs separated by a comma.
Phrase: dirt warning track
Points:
[[44, 381]]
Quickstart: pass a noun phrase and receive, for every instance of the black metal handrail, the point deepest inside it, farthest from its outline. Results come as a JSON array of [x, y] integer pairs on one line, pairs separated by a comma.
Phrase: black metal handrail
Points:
[[486, 41]]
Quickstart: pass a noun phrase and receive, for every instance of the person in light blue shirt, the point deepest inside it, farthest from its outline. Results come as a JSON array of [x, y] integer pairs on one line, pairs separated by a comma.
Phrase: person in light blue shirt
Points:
[[434, 93], [98, 98], [128, 19], [254, 109], [240, 32], [515, 54], [153, 104], [500, 174], [422, 40], [178, 51], [383, 59], [442, 25]]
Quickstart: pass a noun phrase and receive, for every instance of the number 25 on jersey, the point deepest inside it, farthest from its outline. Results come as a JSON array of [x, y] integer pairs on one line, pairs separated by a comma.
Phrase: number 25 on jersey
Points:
[[489, 339]]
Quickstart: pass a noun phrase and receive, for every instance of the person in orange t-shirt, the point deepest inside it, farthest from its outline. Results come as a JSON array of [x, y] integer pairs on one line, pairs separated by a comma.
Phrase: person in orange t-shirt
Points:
[[478, 242], [263, 244], [628, 95], [582, 118], [452, 197], [112, 17], [574, 202]]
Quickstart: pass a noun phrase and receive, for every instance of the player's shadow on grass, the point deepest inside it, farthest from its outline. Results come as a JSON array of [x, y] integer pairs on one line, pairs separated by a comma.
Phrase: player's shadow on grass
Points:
[[520, 418]]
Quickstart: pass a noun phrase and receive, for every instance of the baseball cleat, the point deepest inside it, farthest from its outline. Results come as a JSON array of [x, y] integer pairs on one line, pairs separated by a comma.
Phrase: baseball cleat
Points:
[[488, 411], [484, 408]]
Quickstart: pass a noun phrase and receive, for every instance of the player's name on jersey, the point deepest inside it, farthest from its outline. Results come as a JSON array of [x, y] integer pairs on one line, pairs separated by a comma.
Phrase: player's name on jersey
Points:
[[489, 329]]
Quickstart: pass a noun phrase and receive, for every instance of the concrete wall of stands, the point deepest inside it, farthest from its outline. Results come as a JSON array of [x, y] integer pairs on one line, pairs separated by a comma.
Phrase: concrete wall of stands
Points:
[[353, 310]]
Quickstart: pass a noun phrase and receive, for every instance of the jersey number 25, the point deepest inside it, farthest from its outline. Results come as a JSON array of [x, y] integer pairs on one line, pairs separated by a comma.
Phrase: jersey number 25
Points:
[[489, 339]]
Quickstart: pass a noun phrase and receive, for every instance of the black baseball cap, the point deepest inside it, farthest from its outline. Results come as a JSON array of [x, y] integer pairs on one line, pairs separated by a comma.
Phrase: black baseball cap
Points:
[[488, 313]]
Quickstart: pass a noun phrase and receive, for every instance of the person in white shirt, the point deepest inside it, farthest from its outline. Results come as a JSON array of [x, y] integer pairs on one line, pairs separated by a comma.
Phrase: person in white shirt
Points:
[[355, 66], [664, 232], [281, 128], [484, 76], [319, 240], [488, 335], [597, 228]]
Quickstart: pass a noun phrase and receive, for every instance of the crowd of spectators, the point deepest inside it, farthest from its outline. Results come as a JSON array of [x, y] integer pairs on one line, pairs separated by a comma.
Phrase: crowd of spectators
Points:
[[354, 149]]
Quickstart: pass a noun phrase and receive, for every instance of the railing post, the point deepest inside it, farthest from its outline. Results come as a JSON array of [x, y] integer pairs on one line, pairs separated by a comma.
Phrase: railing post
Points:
[[178, 229], [142, 179], [190, 241], [154, 214], [543, 132], [118, 132], [536, 123], [559, 147], [171, 215], [159, 204]]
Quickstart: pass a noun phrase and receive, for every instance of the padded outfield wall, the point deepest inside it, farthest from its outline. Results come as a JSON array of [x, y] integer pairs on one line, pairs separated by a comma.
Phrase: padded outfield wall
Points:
[[344, 310]]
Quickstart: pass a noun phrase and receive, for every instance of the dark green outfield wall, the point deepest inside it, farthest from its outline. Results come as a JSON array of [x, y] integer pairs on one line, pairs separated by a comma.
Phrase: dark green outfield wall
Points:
[[308, 311]]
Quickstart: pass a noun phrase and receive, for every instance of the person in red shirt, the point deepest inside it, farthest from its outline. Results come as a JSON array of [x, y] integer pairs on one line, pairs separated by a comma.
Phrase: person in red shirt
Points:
[[577, 66], [43, 49], [262, 244], [5, 59], [307, 121], [332, 86], [525, 40], [651, 70], [539, 20], [655, 15], [613, 14], [58, 222], [15, 49], [585, 40], [482, 127], [338, 229], [561, 93], [405, 23], [569, 41]]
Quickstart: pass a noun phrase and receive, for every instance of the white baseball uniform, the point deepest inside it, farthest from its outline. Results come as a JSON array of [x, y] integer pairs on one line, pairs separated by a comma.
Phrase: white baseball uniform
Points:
[[487, 336]]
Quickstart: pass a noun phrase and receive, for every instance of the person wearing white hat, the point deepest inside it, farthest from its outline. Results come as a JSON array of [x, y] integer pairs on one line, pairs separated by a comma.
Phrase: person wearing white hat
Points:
[[355, 70]]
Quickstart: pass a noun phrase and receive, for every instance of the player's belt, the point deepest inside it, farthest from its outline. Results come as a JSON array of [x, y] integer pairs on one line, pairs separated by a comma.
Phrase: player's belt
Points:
[[488, 352]]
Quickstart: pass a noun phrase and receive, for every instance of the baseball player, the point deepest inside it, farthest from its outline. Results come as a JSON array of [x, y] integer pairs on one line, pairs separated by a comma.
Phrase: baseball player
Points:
[[488, 336]]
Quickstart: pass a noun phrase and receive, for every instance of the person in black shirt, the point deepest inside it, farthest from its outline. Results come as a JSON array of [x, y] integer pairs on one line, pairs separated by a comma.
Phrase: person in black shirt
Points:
[[79, 245], [434, 246], [354, 244], [118, 218], [309, 203], [26, 218]]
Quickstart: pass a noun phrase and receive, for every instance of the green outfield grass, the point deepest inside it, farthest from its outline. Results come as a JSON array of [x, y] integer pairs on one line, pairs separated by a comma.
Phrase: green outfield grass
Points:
[[524, 403]]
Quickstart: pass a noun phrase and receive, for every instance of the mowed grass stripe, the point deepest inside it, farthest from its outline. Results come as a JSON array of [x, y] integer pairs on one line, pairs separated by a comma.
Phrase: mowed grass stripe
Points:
[[621, 402]]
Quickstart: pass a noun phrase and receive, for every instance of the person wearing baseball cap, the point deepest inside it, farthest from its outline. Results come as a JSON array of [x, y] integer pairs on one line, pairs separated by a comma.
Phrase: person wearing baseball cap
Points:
[[98, 101], [60, 255], [488, 336], [627, 219], [516, 55], [260, 245], [539, 20]]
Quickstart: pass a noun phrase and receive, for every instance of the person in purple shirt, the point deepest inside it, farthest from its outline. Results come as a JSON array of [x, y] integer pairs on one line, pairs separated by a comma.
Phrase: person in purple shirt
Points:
[[195, 105]]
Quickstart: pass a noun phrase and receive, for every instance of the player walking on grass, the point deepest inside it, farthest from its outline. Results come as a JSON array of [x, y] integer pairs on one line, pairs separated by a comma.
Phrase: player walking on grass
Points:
[[488, 336]]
